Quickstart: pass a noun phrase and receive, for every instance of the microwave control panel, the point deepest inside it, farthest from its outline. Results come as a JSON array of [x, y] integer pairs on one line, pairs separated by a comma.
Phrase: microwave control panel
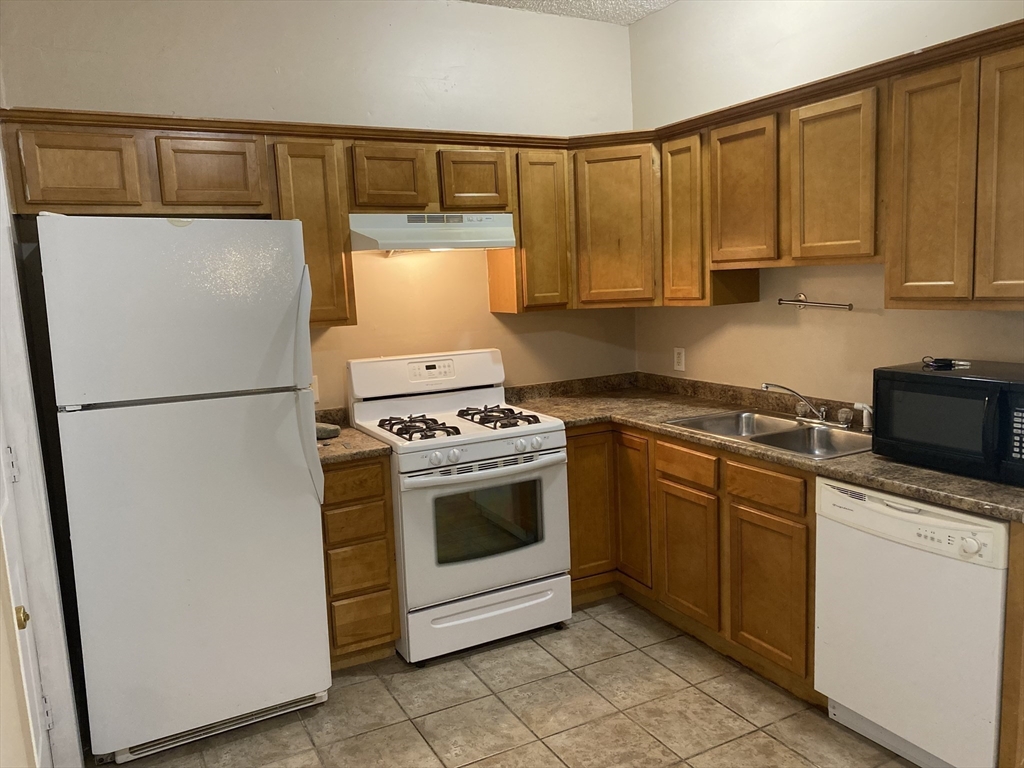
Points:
[[1017, 434]]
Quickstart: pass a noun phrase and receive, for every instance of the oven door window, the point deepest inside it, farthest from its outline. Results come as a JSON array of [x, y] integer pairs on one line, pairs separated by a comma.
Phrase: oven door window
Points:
[[488, 521]]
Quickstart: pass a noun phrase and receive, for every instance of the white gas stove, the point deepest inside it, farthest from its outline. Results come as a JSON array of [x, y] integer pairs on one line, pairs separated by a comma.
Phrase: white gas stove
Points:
[[480, 496]]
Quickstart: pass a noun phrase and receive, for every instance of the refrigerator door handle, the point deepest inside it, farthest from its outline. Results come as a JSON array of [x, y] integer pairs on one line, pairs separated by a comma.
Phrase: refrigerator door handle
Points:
[[307, 434], [303, 351]]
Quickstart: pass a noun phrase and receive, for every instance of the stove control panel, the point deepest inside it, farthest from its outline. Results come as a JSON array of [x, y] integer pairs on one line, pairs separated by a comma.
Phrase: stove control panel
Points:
[[434, 369]]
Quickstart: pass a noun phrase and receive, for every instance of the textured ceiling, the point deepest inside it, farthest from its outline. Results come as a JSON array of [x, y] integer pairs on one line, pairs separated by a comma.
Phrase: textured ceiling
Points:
[[623, 12]]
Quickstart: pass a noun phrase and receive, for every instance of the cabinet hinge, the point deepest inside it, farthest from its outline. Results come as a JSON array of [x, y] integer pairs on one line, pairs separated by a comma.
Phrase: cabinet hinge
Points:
[[47, 714], [11, 463]]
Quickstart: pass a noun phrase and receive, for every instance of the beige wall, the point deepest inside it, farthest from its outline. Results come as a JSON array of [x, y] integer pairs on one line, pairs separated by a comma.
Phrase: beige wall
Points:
[[406, 63], [824, 353], [697, 56], [15, 735], [432, 302]]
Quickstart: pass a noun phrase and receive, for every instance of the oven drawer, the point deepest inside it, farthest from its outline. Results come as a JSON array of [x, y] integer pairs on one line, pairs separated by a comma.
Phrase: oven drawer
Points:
[[354, 483], [358, 567], [362, 621]]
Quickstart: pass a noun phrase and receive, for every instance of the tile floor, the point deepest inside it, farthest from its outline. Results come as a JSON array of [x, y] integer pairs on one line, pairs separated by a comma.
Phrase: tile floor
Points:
[[617, 688]]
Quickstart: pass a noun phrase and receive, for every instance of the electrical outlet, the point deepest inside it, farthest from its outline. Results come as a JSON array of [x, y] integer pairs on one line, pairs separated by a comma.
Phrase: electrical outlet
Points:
[[679, 359], [316, 390]]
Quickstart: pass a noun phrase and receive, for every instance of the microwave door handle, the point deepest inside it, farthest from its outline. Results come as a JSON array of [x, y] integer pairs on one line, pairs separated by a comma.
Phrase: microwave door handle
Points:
[[439, 481], [990, 428]]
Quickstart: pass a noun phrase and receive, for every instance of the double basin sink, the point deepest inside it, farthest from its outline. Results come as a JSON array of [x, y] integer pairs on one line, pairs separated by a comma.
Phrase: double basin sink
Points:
[[775, 430]]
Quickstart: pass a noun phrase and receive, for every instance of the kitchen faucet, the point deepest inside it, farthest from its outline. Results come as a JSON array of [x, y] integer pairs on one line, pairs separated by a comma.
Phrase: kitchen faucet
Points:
[[821, 413]]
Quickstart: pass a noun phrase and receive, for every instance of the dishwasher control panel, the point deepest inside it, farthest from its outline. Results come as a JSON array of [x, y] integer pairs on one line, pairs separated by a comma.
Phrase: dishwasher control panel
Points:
[[967, 544]]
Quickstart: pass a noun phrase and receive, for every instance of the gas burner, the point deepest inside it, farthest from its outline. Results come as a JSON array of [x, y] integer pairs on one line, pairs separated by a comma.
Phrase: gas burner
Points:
[[497, 417], [416, 427]]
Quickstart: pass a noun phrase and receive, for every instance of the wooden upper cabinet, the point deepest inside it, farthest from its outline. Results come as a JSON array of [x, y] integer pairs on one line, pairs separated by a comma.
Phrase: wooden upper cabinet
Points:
[[544, 227], [474, 178], [999, 249], [682, 251], [930, 236], [686, 571], [311, 188], [79, 168], [391, 175], [768, 586], [744, 191], [592, 520], [199, 170], [634, 507], [616, 219], [833, 156]]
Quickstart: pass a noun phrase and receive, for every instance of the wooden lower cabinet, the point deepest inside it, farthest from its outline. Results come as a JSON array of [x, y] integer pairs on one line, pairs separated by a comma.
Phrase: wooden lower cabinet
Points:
[[768, 586], [592, 518], [359, 556], [686, 566], [633, 502]]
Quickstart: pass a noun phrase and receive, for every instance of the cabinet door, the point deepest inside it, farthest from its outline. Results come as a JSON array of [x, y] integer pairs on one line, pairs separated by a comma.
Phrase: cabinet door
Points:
[[391, 175], [615, 202], [682, 253], [768, 586], [87, 168], [931, 203], [213, 171], [474, 178], [999, 251], [634, 507], [686, 569], [310, 188], [544, 224], [591, 504], [744, 191], [832, 153]]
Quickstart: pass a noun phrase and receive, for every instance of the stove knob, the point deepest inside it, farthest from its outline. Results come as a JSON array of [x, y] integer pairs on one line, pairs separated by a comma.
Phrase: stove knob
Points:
[[436, 458], [536, 443], [970, 546], [520, 445], [453, 455]]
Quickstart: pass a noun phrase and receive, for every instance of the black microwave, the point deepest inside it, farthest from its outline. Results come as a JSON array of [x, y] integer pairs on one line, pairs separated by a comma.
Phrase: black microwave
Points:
[[969, 421]]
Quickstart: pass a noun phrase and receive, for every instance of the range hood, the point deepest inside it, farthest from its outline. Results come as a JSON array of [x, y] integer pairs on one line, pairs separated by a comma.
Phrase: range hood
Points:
[[430, 231]]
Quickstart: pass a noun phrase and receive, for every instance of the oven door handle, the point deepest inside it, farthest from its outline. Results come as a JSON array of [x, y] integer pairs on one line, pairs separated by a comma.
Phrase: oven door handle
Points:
[[439, 481]]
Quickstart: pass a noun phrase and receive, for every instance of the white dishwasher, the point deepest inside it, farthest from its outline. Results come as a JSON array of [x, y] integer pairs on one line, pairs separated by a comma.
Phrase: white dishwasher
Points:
[[909, 611]]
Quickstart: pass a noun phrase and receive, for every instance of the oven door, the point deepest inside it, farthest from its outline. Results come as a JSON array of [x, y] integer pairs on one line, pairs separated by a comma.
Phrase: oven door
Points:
[[940, 422], [484, 528]]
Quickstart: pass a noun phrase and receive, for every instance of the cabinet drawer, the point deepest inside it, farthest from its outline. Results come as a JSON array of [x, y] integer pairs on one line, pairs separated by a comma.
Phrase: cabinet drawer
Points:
[[474, 178], [213, 171], [351, 523], [782, 492], [362, 621], [80, 168], [691, 466], [358, 567], [354, 483]]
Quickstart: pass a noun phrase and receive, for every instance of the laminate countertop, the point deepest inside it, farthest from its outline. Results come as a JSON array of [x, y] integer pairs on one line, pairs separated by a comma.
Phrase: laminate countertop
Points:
[[351, 444], [648, 410]]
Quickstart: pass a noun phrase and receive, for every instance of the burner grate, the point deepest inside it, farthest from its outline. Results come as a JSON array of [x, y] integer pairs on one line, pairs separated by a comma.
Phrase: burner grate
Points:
[[416, 427], [497, 417]]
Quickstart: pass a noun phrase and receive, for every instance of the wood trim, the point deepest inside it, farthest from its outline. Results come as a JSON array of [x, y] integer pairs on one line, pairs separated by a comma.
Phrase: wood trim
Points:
[[1011, 729]]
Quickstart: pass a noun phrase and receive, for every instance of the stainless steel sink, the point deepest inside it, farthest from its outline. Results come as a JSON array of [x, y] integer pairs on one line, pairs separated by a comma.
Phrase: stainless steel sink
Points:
[[817, 442], [738, 423], [776, 430]]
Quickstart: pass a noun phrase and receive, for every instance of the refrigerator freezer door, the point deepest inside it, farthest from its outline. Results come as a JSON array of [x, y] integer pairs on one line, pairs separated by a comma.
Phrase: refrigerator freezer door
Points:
[[198, 558], [143, 309]]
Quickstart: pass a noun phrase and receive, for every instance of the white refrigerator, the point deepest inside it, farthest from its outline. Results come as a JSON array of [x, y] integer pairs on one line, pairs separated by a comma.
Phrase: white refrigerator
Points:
[[181, 364]]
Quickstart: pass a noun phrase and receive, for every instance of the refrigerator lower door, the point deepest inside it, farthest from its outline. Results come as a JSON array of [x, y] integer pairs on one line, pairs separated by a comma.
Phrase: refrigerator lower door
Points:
[[144, 309], [198, 559]]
